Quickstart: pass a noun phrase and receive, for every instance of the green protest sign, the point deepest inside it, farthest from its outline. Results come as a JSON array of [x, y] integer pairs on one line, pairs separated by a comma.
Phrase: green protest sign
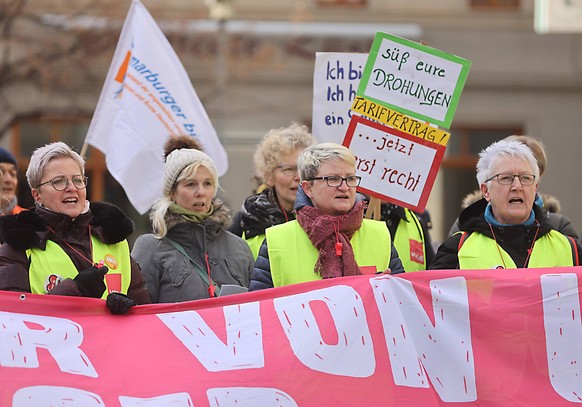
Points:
[[414, 79]]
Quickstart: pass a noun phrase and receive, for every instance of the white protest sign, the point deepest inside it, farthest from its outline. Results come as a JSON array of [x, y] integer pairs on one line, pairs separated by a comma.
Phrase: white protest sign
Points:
[[395, 166], [335, 81]]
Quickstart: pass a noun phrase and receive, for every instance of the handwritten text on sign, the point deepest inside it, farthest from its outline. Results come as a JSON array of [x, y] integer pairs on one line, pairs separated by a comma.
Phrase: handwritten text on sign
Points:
[[394, 166], [420, 81], [399, 121], [335, 80]]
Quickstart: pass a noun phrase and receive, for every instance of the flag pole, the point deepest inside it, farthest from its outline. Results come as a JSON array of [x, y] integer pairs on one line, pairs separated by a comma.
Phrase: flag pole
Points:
[[84, 149]]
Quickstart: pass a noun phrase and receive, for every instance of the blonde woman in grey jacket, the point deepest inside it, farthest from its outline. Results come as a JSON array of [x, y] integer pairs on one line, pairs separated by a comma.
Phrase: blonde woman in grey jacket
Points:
[[190, 254]]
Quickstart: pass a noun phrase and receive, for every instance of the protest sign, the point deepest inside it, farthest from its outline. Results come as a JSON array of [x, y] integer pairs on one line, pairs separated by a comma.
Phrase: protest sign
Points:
[[335, 80], [427, 339], [395, 166], [414, 79], [399, 121]]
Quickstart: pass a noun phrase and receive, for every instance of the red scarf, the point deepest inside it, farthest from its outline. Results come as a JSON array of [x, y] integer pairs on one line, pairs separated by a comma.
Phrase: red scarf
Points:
[[325, 231]]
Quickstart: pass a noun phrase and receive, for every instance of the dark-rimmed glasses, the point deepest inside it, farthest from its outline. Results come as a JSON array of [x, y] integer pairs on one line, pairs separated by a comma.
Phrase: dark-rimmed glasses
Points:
[[60, 183], [335, 181], [507, 179]]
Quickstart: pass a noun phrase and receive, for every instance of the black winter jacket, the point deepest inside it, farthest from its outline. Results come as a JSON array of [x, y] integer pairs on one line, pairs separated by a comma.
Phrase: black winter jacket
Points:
[[259, 212], [515, 240], [29, 229]]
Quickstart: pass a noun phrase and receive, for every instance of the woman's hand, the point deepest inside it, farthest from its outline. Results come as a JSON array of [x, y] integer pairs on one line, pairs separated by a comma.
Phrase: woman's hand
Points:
[[90, 281]]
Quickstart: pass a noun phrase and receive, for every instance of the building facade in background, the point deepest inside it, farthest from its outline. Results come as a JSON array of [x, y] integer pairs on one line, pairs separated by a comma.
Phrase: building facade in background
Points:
[[252, 67]]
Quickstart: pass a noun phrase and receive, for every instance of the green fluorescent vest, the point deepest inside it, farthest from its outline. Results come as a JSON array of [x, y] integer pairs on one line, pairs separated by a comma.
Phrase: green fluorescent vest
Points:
[[254, 244], [292, 257], [54, 258], [481, 252], [409, 233]]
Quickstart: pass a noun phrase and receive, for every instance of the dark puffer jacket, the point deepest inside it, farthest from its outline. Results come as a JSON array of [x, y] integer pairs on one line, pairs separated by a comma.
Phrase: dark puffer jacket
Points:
[[551, 206], [29, 229], [259, 212], [515, 240]]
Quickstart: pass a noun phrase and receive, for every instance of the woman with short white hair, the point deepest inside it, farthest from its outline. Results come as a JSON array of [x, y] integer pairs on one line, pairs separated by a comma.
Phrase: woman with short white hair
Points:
[[505, 229]]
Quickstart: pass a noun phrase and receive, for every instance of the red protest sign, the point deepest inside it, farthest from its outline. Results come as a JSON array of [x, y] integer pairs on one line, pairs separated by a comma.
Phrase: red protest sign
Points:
[[395, 166]]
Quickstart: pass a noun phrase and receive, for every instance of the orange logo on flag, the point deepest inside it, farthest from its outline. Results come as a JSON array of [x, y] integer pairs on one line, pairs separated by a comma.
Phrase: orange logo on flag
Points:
[[123, 68], [120, 76]]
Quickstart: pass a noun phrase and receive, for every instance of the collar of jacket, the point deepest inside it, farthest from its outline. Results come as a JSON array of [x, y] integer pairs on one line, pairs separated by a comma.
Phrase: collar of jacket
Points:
[[29, 228], [472, 219], [261, 211], [390, 211], [219, 219]]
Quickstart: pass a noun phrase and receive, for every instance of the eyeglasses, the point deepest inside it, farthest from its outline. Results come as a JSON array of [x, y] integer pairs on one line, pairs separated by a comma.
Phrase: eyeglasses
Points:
[[507, 179], [60, 183], [289, 171], [335, 181]]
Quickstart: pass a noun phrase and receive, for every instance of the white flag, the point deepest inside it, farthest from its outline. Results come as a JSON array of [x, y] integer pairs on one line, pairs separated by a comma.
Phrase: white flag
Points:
[[147, 97]]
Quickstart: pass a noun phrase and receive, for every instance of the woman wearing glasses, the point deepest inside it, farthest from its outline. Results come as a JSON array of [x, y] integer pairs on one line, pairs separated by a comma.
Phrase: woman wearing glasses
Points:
[[330, 237], [549, 203], [65, 245], [505, 229], [276, 166]]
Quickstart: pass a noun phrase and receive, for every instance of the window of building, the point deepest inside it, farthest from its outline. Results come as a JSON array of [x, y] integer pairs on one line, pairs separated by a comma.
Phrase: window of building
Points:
[[342, 3], [495, 4]]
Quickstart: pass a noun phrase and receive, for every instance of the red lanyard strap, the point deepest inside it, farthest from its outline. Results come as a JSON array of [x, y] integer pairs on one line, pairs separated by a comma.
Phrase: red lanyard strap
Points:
[[338, 244]]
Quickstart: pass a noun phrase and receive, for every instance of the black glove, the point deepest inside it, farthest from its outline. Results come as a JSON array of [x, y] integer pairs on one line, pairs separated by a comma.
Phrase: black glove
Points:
[[90, 281], [119, 303]]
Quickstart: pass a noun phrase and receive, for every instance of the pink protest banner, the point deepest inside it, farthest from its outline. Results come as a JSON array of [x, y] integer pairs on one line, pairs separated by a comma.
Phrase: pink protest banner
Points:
[[395, 166], [435, 338]]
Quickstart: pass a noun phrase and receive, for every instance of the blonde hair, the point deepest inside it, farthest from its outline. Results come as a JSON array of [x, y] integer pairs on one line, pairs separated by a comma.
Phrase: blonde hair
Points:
[[277, 143]]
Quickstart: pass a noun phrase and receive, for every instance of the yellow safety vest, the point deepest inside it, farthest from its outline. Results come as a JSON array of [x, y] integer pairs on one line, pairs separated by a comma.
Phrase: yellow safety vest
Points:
[[481, 252], [254, 244], [50, 266], [409, 242], [292, 256]]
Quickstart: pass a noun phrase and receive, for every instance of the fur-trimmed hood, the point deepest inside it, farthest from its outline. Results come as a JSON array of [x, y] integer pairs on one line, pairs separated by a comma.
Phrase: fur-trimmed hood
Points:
[[551, 203], [219, 219], [30, 228]]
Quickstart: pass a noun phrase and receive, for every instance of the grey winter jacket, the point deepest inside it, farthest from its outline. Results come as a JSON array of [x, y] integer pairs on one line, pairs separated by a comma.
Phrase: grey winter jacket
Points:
[[171, 277]]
